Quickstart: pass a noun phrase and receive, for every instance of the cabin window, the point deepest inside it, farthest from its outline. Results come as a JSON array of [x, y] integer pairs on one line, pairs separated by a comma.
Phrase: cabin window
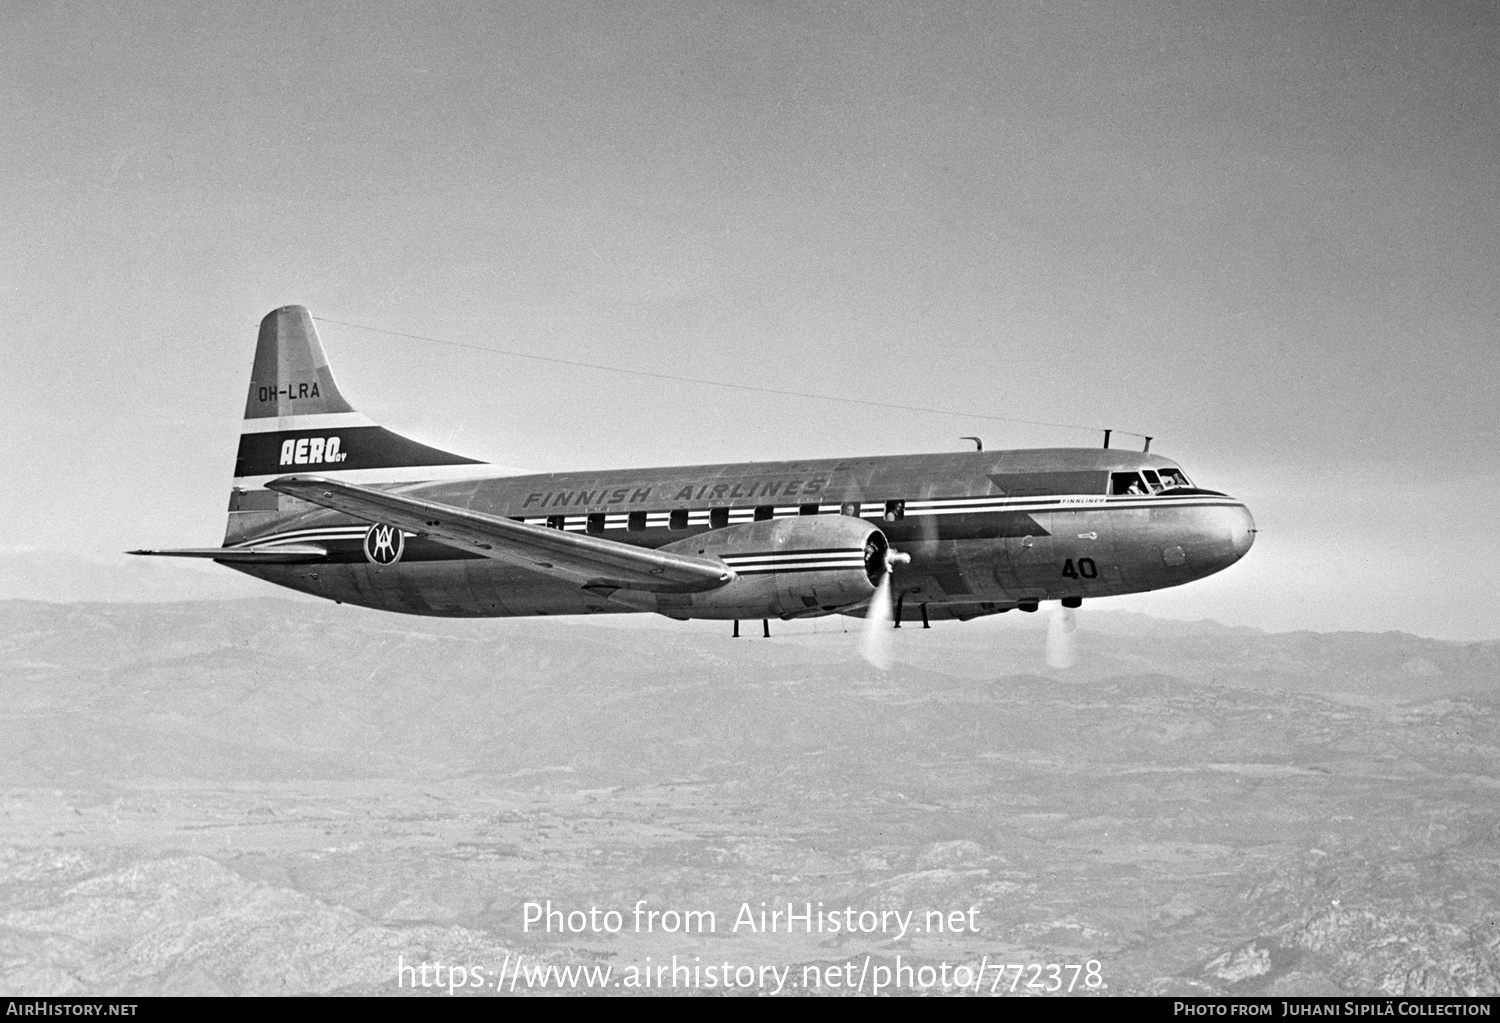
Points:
[[764, 512], [596, 522], [895, 511], [718, 518], [1127, 483], [636, 522], [850, 508], [556, 521], [807, 509], [1174, 478], [679, 519]]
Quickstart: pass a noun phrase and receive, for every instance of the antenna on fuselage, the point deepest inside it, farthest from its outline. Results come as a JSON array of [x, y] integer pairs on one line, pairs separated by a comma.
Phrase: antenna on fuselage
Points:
[[978, 444], [1106, 437], [1147, 447]]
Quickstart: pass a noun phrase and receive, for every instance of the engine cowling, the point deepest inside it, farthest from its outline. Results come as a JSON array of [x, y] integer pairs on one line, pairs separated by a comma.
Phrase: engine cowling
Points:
[[784, 568]]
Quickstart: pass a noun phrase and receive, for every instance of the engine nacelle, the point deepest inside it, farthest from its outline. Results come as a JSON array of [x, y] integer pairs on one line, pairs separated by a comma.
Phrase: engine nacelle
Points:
[[784, 568]]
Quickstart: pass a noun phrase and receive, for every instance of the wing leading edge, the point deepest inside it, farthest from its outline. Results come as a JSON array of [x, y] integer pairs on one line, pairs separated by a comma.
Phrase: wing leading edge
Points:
[[593, 562]]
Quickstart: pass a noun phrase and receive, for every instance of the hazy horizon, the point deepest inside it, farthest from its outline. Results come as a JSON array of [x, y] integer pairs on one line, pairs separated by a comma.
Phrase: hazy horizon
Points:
[[165, 585]]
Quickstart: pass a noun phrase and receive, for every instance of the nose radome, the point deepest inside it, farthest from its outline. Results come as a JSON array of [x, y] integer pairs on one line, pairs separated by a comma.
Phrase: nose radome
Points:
[[1241, 530]]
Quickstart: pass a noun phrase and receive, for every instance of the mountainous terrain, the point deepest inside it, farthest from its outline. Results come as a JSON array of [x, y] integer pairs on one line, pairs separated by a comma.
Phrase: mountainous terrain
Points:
[[263, 796]]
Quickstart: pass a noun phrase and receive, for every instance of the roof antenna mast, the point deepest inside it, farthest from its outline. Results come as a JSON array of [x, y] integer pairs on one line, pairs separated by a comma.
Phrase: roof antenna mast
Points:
[[978, 444]]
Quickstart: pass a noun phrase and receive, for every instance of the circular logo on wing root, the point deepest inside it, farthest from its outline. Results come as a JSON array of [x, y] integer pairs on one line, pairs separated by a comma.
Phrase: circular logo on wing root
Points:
[[384, 544]]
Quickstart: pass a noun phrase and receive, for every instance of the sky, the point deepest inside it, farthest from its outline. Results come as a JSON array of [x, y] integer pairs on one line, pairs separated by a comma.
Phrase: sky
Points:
[[1266, 234]]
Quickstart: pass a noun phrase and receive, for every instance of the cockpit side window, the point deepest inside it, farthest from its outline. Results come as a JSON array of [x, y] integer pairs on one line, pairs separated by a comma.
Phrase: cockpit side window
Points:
[[1174, 478], [1127, 483], [1152, 480]]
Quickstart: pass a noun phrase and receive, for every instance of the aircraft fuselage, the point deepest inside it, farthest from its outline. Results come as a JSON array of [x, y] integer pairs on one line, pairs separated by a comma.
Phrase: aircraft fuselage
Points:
[[986, 531]]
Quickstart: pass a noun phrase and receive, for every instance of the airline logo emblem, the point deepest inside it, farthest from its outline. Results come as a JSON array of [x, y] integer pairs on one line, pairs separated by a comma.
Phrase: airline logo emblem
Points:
[[312, 451], [384, 544]]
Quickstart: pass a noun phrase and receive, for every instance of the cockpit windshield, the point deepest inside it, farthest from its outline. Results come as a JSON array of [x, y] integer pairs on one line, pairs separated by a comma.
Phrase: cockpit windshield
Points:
[[1146, 481]]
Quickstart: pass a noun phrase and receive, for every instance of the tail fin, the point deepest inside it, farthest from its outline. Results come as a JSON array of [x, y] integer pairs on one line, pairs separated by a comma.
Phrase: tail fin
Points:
[[291, 378], [297, 421]]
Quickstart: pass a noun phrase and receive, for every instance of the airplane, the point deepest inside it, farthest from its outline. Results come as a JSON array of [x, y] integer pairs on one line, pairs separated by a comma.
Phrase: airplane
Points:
[[328, 502]]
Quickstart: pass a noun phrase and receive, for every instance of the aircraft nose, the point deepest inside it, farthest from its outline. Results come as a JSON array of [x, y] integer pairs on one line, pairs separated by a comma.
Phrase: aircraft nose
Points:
[[1241, 530], [1202, 539]]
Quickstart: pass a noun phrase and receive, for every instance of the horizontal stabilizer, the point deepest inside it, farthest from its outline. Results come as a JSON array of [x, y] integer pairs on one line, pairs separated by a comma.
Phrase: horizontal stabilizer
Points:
[[271, 554], [591, 561]]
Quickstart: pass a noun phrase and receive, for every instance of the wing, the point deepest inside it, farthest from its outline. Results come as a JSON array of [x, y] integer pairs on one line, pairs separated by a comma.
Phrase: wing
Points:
[[269, 554], [592, 561]]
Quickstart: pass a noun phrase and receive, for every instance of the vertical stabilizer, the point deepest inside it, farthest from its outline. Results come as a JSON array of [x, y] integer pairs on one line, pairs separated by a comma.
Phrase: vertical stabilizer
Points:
[[297, 421], [291, 378]]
